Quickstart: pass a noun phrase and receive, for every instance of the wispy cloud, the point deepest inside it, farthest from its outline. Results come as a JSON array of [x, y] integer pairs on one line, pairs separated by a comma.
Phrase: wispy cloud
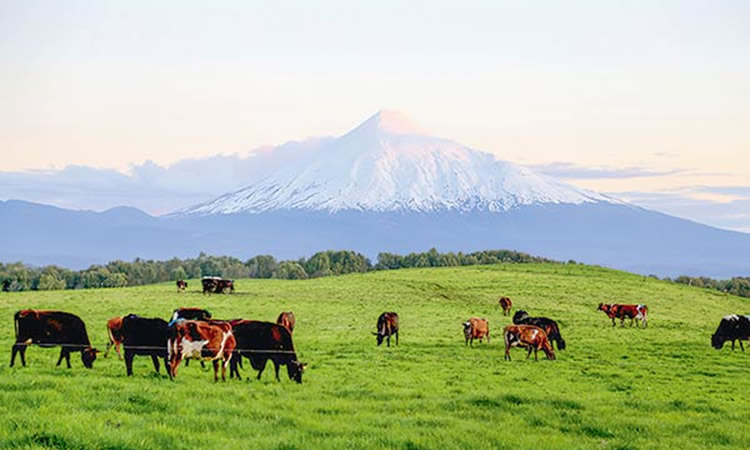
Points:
[[572, 171]]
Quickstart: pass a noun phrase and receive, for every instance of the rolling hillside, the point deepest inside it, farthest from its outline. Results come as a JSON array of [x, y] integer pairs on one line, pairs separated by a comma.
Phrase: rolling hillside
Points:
[[661, 387]]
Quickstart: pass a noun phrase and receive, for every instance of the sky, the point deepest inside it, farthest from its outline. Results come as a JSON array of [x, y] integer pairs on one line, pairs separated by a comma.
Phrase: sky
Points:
[[645, 100]]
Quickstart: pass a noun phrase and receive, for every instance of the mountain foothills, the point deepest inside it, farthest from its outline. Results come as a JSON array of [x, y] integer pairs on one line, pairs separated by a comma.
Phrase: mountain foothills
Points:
[[386, 186]]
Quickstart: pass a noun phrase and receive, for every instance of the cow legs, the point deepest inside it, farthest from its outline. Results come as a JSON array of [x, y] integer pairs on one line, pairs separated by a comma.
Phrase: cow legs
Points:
[[732, 344], [155, 360], [67, 358], [276, 369], [19, 348], [741, 347], [529, 353], [507, 352], [117, 349], [260, 371], [233, 363], [216, 369], [62, 355], [613, 322], [397, 339], [488, 337]]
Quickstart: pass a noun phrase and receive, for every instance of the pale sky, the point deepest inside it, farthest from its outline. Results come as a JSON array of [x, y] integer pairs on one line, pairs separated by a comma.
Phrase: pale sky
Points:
[[652, 97]]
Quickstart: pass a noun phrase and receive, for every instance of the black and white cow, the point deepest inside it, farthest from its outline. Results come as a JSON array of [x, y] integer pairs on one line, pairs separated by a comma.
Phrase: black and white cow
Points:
[[733, 327]]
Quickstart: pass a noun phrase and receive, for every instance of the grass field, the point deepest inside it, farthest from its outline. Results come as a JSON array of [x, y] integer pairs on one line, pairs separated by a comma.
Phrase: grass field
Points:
[[663, 387]]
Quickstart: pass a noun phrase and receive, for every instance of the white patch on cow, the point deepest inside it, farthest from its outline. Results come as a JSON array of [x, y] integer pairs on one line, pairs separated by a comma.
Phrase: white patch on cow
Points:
[[731, 317], [28, 341], [192, 349]]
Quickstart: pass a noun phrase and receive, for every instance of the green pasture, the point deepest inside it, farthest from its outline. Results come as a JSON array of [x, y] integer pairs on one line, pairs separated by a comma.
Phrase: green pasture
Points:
[[662, 387]]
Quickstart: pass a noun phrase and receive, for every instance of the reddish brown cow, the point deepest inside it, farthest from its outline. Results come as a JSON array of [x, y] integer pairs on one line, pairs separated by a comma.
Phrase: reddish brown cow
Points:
[[506, 303], [201, 340], [114, 331], [529, 337], [286, 319], [387, 327], [622, 312], [476, 328], [181, 285]]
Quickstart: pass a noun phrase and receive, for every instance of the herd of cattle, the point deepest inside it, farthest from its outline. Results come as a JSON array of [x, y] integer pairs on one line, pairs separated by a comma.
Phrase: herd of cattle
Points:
[[192, 333]]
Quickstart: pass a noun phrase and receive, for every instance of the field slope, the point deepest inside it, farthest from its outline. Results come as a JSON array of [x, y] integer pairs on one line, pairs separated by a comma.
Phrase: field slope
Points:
[[663, 387]]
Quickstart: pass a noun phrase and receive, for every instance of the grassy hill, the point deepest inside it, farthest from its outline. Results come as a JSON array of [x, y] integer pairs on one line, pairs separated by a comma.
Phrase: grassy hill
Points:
[[663, 387]]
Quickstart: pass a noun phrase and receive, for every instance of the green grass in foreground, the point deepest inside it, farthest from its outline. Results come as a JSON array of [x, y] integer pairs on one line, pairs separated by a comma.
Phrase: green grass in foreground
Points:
[[663, 387]]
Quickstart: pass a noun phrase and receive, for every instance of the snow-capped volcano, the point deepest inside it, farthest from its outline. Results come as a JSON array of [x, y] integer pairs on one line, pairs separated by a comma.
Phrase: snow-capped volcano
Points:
[[388, 163]]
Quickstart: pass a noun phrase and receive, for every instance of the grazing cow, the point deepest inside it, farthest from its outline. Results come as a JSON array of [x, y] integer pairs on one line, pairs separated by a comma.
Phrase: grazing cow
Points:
[[114, 331], [181, 285], [260, 341], [732, 328], [50, 329], [476, 328], [6, 285], [387, 326], [201, 340], [286, 319], [549, 326], [506, 303], [217, 285], [622, 312], [529, 337], [145, 337], [190, 314]]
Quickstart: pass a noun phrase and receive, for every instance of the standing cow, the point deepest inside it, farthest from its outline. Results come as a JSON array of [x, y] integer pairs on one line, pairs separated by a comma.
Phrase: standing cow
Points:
[[114, 332], [529, 337], [506, 303], [731, 328], [549, 326], [476, 328], [201, 340], [260, 341], [286, 319], [50, 329], [143, 336], [622, 312], [387, 326], [217, 285], [181, 285]]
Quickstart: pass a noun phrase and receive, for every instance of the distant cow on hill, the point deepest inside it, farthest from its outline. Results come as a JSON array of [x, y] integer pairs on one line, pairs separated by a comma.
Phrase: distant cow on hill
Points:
[[529, 337], [506, 303], [476, 328], [286, 319], [50, 329], [732, 328], [181, 285], [6, 285], [622, 312], [549, 326], [217, 285], [260, 341], [201, 340], [387, 326], [114, 332], [144, 336]]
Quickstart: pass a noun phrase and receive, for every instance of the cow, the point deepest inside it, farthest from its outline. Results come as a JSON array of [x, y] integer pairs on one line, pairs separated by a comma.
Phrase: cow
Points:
[[733, 327], [476, 328], [549, 326], [114, 331], [190, 314], [529, 337], [260, 341], [201, 340], [622, 312], [387, 326], [142, 336], [217, 285], [6, 285], [506, 303], [50, 329], [286, 319], [181, 285]]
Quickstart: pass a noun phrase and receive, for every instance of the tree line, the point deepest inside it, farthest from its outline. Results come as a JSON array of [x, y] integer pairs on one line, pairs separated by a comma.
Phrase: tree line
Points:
[[20, 277]]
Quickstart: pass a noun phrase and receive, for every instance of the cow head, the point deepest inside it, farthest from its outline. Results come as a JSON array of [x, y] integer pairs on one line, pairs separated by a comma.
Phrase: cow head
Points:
[[603, 307], [88, 356], [519, 316], [467, 328], [717, 341], [295, 369]]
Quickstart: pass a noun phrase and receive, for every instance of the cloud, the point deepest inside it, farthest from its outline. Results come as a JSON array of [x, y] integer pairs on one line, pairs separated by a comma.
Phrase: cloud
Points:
[[572, 171]]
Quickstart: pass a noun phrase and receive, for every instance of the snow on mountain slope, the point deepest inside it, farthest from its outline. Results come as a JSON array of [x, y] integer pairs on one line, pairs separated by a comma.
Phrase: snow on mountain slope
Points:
[[390, 164]]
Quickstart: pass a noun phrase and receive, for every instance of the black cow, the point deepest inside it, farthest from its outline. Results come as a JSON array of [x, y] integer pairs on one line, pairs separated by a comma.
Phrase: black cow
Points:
[[260, 341], [387, 326], [50, 329], [731, 328], [549, 326], [145, 337], [217, 285], [6, 285]]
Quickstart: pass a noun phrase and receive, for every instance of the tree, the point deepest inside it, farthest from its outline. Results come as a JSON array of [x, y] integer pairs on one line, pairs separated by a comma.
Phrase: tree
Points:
[[290, 270]]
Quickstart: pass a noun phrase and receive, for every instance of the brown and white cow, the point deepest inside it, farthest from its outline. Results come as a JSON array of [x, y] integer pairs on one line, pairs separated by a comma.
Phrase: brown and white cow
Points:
[[622, 312], [201, 340], [529, 337], [387, 326], [50, 329], [506, 303], [476, 328], [114, 331], [286, 319]]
